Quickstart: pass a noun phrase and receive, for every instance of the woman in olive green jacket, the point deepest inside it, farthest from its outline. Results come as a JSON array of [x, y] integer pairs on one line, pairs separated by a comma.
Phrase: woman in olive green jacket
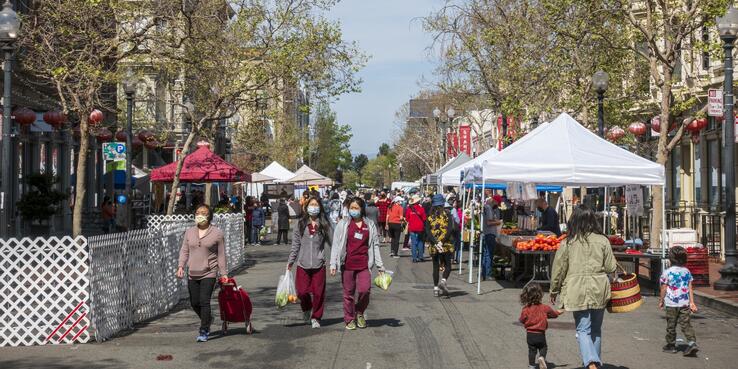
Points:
[[580, 275]]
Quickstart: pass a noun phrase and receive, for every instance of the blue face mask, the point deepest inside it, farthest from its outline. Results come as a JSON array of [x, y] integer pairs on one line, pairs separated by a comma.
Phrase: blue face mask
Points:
[[355, 213], [313, 210]]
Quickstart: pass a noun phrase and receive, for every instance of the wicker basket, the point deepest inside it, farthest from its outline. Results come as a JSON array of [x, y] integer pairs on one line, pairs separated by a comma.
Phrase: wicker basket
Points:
[[626, 295]]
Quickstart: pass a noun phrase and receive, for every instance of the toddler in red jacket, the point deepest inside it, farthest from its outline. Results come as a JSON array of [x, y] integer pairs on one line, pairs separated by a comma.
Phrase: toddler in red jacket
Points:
[[535, 319]]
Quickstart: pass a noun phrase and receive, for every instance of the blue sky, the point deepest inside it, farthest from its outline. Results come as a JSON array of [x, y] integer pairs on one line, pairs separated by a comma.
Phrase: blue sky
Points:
[[389, 32]]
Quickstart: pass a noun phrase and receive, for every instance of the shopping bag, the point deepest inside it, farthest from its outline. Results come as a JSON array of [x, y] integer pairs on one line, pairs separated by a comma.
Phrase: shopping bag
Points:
[[626, 293], [383, 280], [286, 292]]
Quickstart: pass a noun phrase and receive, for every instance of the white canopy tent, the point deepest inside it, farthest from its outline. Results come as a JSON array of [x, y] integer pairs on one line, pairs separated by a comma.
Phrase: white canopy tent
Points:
[[565, 153], [459, 160], [307, 175], [452, 176], [278, 172]]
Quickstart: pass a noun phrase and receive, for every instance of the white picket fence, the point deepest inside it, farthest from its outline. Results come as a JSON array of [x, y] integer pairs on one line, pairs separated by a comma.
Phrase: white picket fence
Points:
[[64, 290]]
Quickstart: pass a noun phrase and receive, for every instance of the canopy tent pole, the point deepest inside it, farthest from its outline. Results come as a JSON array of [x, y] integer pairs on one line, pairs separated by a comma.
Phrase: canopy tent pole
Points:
[[481, 239], [463, 206], [605, 214], [472, 233]]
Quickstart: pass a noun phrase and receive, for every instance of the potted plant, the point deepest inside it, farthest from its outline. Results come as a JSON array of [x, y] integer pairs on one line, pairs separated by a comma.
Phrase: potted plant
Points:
[[41, 202]]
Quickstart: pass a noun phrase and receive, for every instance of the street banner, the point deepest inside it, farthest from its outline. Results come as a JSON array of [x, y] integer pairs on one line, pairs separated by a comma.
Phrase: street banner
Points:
[[715, 102], [634, 200], [452, 144], [114, 151], [465, 139]]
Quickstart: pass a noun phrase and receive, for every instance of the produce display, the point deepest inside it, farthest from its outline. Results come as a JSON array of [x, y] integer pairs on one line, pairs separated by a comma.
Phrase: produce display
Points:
[[540, 243], [616, 240]]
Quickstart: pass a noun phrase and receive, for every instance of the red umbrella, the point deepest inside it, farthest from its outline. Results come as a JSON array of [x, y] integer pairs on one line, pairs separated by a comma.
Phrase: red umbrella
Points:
[[202, 165]]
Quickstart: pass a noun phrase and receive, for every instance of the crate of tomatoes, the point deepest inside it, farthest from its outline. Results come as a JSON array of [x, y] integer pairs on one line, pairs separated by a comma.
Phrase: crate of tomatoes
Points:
[[541, 243]]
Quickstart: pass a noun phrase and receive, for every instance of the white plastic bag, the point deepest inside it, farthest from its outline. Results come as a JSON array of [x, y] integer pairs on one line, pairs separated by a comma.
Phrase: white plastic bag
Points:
[[384, 280], [286, 292]]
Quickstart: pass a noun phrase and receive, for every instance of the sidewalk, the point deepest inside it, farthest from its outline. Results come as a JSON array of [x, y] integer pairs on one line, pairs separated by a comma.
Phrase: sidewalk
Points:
[[725, 301]]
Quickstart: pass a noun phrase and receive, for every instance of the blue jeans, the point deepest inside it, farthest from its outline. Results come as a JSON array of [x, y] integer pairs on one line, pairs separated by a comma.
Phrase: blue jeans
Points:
[[458, 249], [589, 334], [255, 230], [416, 246], [487, 254]]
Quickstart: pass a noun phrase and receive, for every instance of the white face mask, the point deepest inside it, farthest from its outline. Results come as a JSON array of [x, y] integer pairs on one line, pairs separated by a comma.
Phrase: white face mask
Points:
[[201, 219]]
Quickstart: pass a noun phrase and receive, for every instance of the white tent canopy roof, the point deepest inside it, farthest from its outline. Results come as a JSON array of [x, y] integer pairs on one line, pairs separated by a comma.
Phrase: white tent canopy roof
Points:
[[455, 162], [452, 177], [566, 153], [307, 175], [277, 171]]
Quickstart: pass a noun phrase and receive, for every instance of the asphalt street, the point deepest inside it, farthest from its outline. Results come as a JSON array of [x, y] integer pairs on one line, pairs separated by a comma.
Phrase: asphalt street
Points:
[[408, 328]]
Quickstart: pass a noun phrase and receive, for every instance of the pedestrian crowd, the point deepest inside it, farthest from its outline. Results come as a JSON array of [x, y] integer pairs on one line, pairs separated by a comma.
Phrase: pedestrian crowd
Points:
[[354, 227]]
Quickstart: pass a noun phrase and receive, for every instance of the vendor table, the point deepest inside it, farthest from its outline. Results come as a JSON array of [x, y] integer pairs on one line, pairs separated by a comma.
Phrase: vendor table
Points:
[[539, 270]]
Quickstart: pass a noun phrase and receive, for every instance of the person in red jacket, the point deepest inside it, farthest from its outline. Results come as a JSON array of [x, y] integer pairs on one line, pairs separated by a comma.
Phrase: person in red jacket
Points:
[[535, 319], [415, 216], [382, 205]]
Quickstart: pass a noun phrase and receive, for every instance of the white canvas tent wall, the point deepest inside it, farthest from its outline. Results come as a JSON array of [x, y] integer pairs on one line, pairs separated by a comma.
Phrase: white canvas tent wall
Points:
[[452, 177], [277, 171], [565, 153]]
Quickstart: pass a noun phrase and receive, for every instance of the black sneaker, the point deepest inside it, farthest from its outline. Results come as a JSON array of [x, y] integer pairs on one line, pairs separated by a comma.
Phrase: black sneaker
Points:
[[670, 348], [691, 349]]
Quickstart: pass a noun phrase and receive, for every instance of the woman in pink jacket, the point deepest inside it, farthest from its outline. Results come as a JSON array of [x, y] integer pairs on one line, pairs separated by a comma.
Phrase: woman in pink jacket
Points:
[[203, 251]]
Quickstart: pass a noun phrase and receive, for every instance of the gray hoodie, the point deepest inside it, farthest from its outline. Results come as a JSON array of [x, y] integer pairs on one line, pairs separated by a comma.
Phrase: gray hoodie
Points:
[[340, 236], [309, 251]]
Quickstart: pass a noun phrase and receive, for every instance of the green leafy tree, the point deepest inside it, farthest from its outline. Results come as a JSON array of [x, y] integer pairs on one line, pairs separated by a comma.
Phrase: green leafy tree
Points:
[[384, 149], [42, 201], [332, 142], [351, 180]]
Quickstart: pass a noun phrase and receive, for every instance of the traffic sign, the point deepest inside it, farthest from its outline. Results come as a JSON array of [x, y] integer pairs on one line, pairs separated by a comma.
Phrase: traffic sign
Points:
[[114, 151], [715, 102]]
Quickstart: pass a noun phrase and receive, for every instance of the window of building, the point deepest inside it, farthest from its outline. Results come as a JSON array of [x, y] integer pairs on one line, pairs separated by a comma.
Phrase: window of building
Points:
[[697, 173], [714, 177], [676, 178], [705, 53]]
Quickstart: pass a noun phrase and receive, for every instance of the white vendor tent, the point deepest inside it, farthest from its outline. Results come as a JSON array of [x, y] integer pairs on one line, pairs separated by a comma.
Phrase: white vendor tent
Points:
[[261, 178], [307, 175], [278, 172], [459, 160], [566, 153], [452, 176]]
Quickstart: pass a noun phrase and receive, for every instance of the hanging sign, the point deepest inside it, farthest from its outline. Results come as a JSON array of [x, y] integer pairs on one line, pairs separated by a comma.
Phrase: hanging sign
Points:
[[465, 139], [114, 151], [715, 102], [634, 199]]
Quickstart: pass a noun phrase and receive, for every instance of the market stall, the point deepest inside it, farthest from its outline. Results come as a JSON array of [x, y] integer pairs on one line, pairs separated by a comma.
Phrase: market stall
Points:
[[565, 153]]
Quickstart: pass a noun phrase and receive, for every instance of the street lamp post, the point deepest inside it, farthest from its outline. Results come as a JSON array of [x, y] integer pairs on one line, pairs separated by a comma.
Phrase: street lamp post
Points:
[[599, 82], [129, 87], [728, 29], [444, 123], [9, 26]]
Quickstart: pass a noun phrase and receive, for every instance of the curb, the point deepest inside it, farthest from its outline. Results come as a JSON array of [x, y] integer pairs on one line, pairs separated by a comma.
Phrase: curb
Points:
[[722, 305]]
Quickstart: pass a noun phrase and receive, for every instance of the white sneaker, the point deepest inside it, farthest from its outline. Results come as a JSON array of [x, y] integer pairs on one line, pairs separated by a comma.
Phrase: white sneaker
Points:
[[306, 316], [315, 323], [542, 363], [442, 287]]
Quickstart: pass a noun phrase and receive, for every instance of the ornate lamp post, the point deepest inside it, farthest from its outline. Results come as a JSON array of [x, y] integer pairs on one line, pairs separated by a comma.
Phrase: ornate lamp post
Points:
[[444, 123], [129, 87], [9, 26], [728, 29], [599, 82]]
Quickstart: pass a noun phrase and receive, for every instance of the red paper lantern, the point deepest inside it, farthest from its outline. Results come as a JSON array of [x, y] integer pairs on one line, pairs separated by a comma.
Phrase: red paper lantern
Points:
[[151, 144], [694, 127], [96, 117], [104, 135], [637, 128], [145, 135], [615, 133], [136, 142], [55, 118], [121, 136], [702, 122], [24, 116]]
